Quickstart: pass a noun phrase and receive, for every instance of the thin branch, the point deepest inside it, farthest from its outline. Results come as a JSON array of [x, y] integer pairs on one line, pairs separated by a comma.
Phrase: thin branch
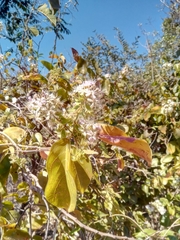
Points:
[[172, 225], [48, 221], [102, 234], [11, 141]]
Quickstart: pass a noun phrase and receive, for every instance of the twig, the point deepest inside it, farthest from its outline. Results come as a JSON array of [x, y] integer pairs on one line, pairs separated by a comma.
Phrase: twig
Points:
[[172, 225], [48, 221], [129, 218], [32, 149], [30, 216], [11, 141], [102, 234]]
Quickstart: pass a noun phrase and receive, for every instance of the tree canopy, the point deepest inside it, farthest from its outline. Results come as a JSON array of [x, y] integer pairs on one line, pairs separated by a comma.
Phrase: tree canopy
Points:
[[90, 151]]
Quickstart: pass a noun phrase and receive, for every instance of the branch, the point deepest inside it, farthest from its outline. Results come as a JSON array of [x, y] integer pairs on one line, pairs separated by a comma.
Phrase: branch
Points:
[[102, 234]]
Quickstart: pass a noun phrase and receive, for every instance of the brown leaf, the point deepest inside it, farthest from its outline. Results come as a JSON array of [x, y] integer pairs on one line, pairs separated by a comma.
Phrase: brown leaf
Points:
[[75, 54]]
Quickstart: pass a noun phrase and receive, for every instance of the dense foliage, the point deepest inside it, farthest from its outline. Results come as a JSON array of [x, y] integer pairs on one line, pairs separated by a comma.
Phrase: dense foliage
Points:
[[75, 161]]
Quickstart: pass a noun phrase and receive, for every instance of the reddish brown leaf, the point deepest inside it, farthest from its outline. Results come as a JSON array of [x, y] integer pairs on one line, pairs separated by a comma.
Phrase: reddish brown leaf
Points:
[[75, 54], [115, 136]]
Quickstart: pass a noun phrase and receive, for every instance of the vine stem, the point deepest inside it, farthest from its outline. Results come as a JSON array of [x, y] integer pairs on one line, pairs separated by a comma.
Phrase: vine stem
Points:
[[102, 234]]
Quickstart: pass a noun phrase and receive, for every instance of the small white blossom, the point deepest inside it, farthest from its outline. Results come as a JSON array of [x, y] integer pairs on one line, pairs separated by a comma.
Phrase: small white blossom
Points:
[[159, 206], [1, 26], [6, 98], [1, 57], [167, 65], [14, 100]]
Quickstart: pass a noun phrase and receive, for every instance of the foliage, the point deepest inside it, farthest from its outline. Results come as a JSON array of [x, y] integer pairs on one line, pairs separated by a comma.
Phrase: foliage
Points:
[[91, 152], [23, 19]]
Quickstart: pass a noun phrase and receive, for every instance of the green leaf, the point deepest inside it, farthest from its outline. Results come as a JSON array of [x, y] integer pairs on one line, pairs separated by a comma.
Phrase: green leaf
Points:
[[34, 31], [81, 66], [61, 188], [16, 234], [81, 170], [64, 83], [47, 64], [62, 93], [4, 169], [47, 13], [146, 232]]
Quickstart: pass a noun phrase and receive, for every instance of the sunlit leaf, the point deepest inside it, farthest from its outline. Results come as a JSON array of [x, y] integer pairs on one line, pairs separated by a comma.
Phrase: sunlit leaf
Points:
[[61, 188], [176, 133], [37, 221], [3, 107], [39, 138], [47, 13], [64, 83], [163, 129], [167, 158], [54, 56], [16, 234], [115, 136], [171, 148], [48, 65], [15, 133], [81, 170], [3, 221], [34, 31], [81, 66], [146, 232], [35, 77]]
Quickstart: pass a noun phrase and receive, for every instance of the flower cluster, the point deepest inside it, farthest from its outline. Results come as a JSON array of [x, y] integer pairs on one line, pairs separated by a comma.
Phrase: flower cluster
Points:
[[43, 107], [92, 100], [92, 96], [86, 108], [169, 107]]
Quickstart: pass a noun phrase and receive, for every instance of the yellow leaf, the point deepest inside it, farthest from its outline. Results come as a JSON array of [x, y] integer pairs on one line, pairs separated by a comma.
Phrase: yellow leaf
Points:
[[3, 107], [163, 129], [81, 170], [3, 221], [15, 133], [61, 188], [16, 234], [115, 136], [170, 148]]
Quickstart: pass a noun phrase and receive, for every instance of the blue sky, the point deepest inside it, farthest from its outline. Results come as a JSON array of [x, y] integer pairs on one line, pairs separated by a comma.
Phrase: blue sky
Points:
[[102, 16]]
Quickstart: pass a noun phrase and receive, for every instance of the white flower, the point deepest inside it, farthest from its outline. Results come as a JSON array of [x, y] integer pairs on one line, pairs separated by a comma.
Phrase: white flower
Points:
[[1, 57], [159, 206], [1, 26], [14, 100], [167, 65]]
